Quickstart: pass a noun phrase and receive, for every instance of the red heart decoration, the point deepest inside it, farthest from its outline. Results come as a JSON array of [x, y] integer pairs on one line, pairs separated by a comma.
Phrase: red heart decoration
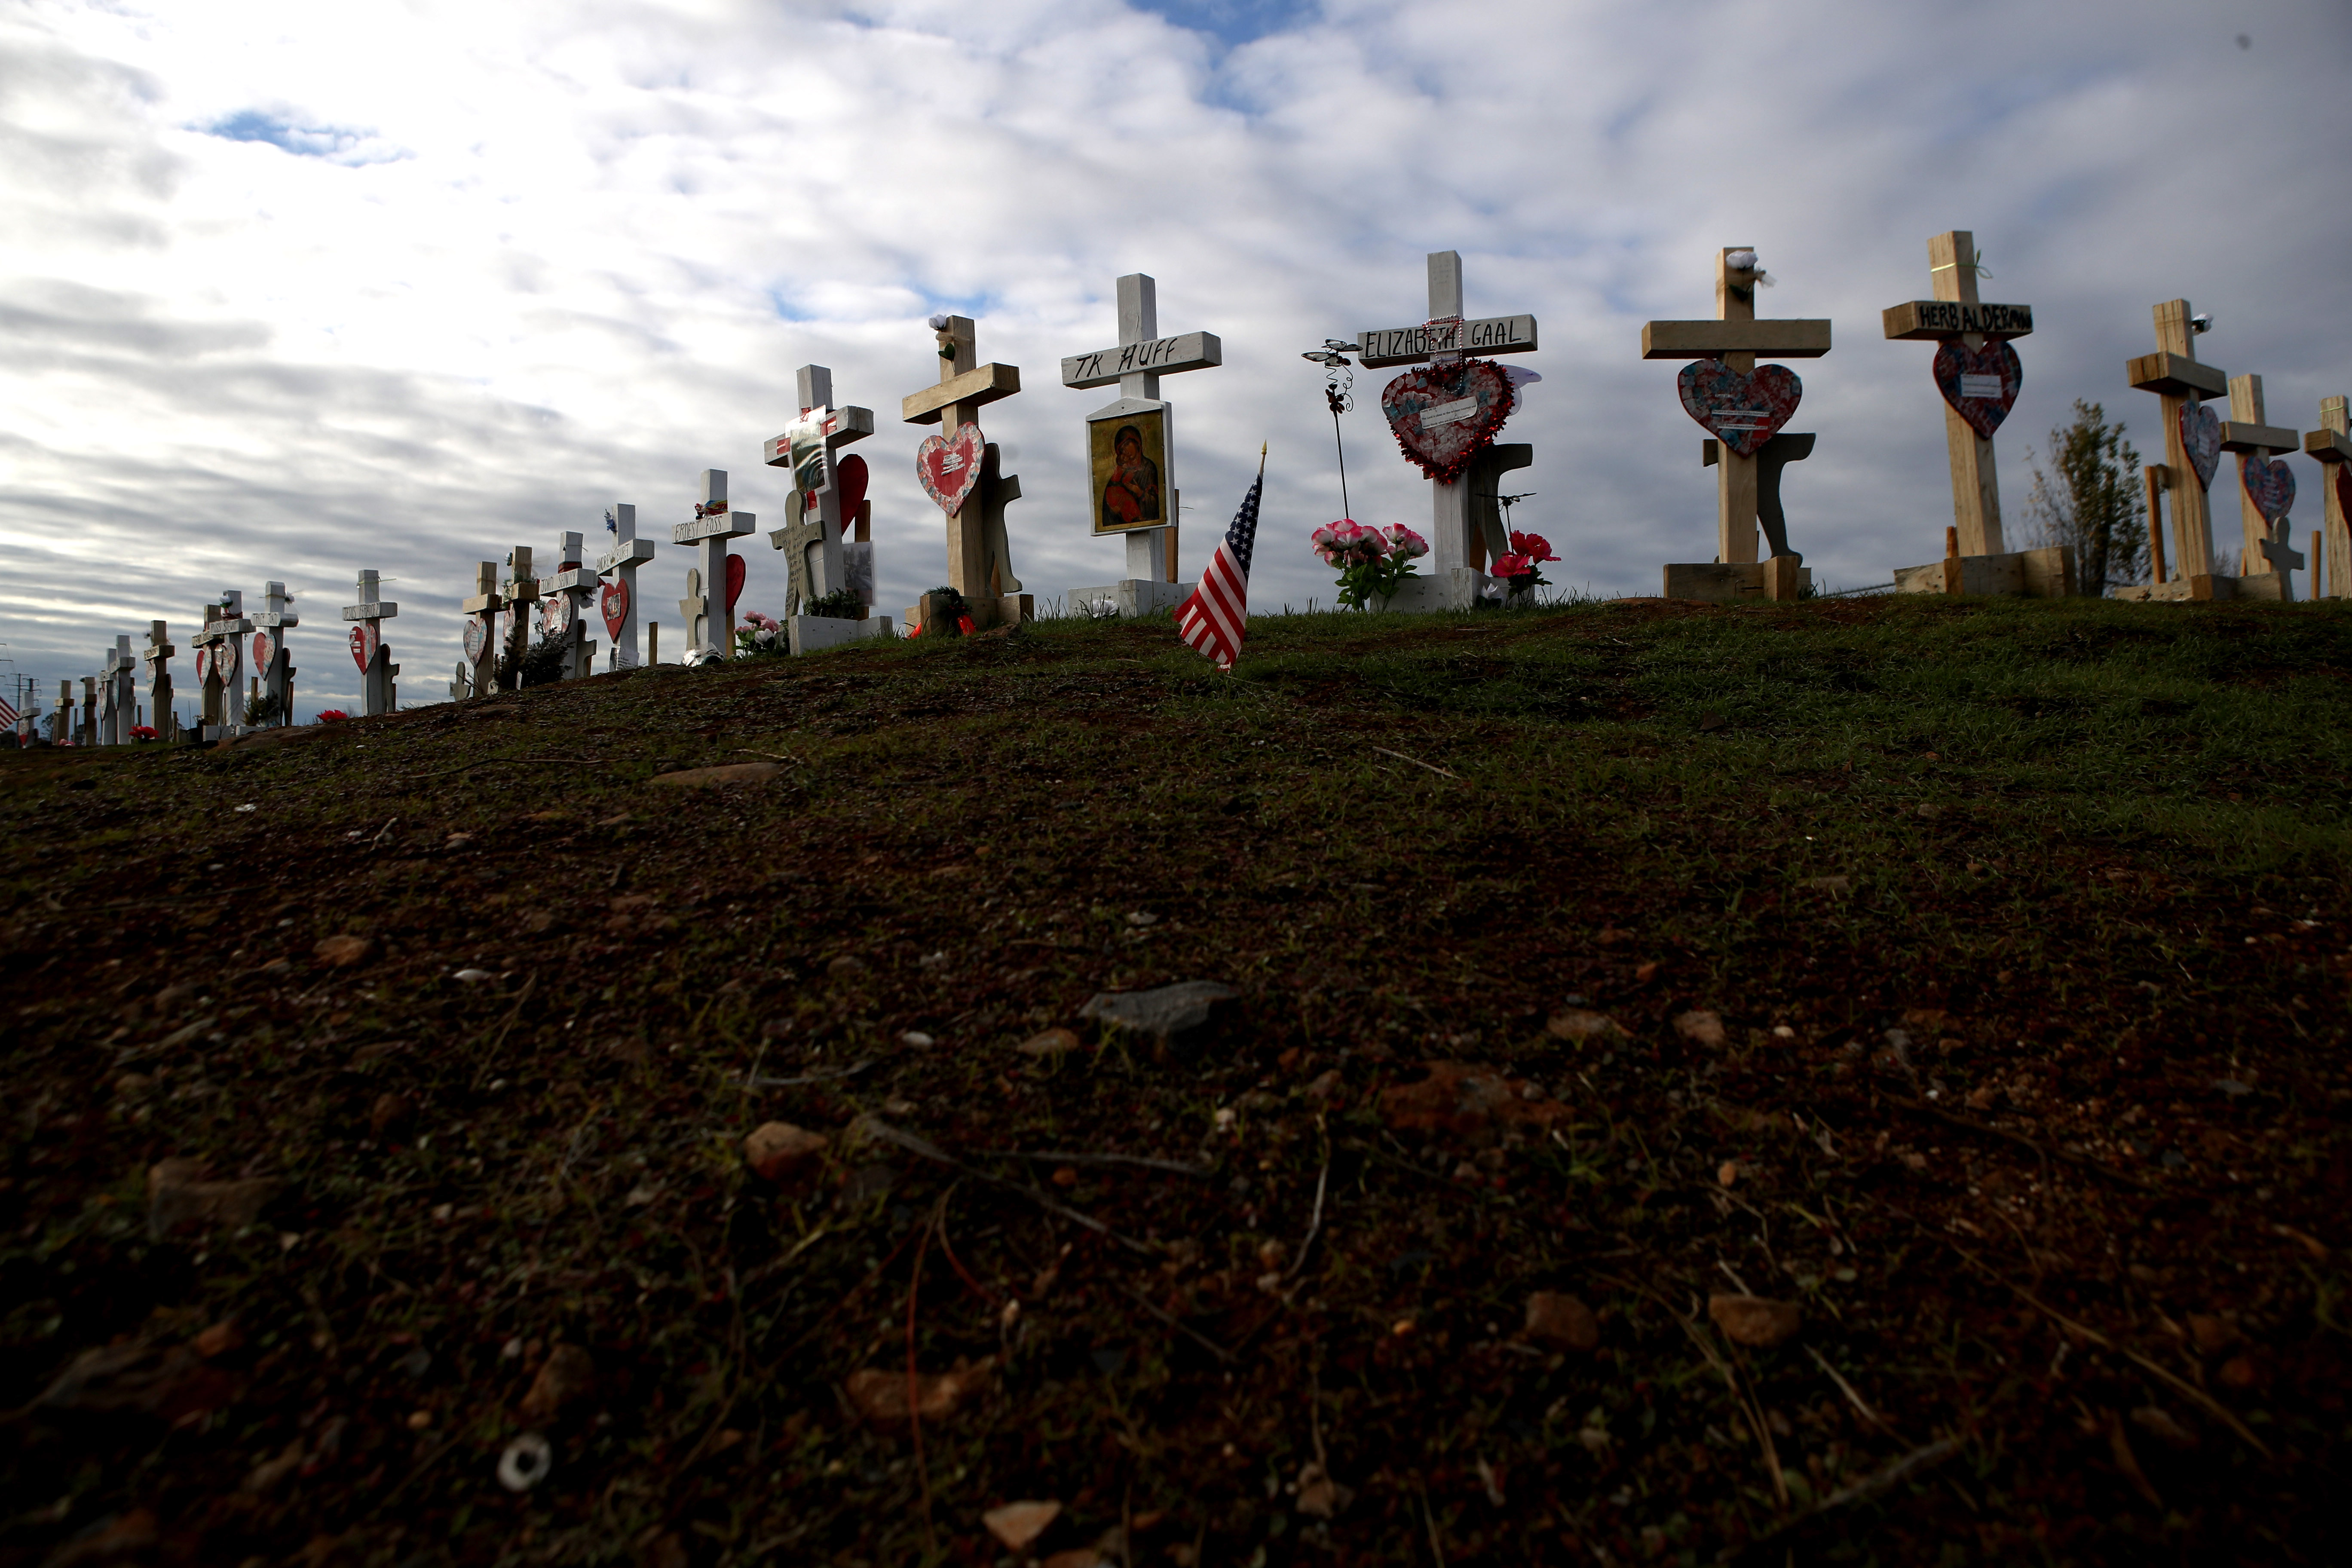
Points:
[[478, 637], [363, 649], [1980, 384], [2270, 485], [261, 639], [849, 479], [735, 570], [203, 665], [1743, 409], [612, 604], [950, 466], [2200, 438], [1444, 415]]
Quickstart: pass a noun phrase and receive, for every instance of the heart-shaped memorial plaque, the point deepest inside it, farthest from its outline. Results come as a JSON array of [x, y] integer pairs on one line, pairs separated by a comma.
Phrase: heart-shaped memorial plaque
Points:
[[735, 570], [557, 615], [950, 466], [2343, 486], [364, 641], [612, 604], [261, 639], [478, 637], [1744, 409], [203, 665], [2270, 485], [1444, 415], [849, 477], [2200, 438], [1980, 384], [224, 657]]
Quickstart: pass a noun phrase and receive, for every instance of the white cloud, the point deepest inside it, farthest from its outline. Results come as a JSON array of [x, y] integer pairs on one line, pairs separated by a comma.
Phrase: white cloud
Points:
[[290, 291]]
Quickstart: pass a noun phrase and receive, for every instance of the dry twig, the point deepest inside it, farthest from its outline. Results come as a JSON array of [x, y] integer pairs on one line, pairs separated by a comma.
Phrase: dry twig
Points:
[[1417, 762]]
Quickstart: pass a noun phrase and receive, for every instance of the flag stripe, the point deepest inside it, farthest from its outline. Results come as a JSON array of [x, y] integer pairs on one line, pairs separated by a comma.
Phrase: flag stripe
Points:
[[1216, 615]]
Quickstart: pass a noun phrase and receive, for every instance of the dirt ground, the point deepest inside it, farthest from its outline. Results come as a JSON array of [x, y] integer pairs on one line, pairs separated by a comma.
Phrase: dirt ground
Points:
[[1855, 1082]]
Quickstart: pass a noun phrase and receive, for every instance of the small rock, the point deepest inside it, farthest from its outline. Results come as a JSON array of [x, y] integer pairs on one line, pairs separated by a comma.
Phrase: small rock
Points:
[[1930, 813], [1465, 1100], [2232, 1086], [1645, 973], [917, 1038], [217, 1340], [847, 963], [1577, 1024], [1168, 1015], [1052, 1043], [1018, 1524], [564, 1379], [1830, 884], [2241, 1374], [2157, 1423], [1560, 1319], [266, 1474], [342, 952], [456, 841], [1700, 1027], [1709, 722], [1325, 1086], [472, 976], [1320, 1496], [1754, 1321], [133, 1085], [725, 774], [177, 1199], [778, 1150], [880, 1394], [1141, 917]]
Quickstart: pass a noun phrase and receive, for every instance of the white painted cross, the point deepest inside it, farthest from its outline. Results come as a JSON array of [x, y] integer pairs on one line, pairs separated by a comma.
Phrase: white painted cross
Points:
[[377, 692], [271, 660], [1445, 338], [807, 450], [617, 602], [566, 599], [61, 722], [1136, 362], [2174, 373], [90, 733], [478, 675], [157, 657], [709, 619], [2245, 434], [219, 657]]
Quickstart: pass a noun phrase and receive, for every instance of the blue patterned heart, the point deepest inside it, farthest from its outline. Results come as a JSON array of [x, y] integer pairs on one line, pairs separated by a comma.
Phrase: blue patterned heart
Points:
[[2270, 485], [1980, 384], [2200, 438], [1744, 409]]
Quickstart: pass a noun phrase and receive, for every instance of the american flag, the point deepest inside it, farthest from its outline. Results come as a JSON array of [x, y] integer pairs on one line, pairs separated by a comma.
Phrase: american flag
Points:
[[1217, 615]]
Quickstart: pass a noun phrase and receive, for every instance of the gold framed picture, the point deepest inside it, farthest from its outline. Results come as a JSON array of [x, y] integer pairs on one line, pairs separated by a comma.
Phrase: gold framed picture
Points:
[[1127, 462]]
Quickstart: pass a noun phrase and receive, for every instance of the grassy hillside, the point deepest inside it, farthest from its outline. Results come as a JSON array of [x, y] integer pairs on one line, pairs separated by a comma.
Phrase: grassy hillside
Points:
[[1960, 985]]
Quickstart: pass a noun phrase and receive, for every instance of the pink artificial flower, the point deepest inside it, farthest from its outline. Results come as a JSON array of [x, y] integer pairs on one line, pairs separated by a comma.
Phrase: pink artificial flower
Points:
[[1343, 542], [1534, 546], [1404, 543]]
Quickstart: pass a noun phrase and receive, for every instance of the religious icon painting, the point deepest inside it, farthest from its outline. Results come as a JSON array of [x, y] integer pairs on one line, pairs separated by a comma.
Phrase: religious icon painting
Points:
[[1126, 461]]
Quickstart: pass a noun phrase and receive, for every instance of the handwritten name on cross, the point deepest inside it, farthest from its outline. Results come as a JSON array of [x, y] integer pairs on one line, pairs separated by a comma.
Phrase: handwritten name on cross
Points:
[[1736, 337], [1447, 338], [2245, 434], [1957, 314], [709, 617], [815, 527], [1136, 363], [377, 692], [157, 657], [980, 559], [2174, 373], [2331, 444], [617, 602]]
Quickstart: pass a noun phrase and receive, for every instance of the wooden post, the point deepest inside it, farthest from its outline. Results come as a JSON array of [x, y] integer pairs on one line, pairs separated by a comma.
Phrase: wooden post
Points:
[[2174, 374], [2331, 444], [653, 642], [2156, 478]]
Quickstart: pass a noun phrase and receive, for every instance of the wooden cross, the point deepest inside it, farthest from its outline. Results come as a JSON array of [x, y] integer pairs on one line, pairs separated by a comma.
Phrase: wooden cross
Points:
[[1135, 364], [2332, 445], [90, 711], [1444, 339], [569, 597], [2244, 433], [277, 672], [709, 619], [980, 560], [1956, 313], [61, 722], [522, 591], [2174, 373], [368, 651], [479, 673], [815, 530], [620, 564], [225, 626], [2277, 547], [1736, 337], [157, 657]]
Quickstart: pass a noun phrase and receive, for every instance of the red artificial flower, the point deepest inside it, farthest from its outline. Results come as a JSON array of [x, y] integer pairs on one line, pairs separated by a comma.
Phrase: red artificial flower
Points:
[[963, 625], [332, 715], [1513, 565], [1534, 546]]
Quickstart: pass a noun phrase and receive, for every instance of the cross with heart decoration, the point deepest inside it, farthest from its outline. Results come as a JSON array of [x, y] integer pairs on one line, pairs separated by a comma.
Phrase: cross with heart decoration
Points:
[[951, 468], [272, 661], [1445, 416], [2331, 444], [219, 658], [1723, 389], [2265, 484], [478, 675], [709, 606], [567, 601], [1977, 372], [2192, 436], [828, 496], [377, 692], [616, 600]]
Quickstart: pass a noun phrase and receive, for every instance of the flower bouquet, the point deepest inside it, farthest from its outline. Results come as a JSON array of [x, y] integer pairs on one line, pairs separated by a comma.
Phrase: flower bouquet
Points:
[[1522, 568], [1372, 561], [332, 715], [761, 635]]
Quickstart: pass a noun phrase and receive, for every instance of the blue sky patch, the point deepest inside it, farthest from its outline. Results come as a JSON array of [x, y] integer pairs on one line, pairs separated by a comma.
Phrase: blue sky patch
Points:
[[332, 142], [1231, 21]]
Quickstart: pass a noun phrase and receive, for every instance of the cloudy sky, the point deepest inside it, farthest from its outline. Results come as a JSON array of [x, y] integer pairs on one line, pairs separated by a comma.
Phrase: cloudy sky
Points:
[[288, 290]]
